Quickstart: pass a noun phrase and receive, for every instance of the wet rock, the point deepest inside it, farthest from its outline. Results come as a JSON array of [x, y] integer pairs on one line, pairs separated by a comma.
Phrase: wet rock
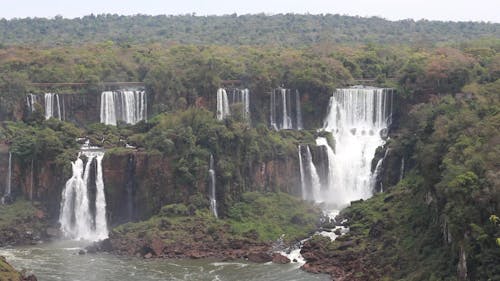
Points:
[[345, 245], [157, 246], [259, 257], [92, 249], [81, 252], [53, 232], [148, 256], [280, 259]]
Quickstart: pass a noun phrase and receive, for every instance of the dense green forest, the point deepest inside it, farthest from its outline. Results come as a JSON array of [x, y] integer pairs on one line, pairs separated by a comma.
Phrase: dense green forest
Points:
[[283, 30], [446, 76]]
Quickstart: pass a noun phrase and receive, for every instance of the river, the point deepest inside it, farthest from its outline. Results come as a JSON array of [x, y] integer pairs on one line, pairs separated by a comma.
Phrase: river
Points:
[[61, 261]]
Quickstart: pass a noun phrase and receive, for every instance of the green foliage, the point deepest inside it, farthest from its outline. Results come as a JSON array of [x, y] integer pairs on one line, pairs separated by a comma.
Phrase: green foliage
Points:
[[258, 29], [257, 218]]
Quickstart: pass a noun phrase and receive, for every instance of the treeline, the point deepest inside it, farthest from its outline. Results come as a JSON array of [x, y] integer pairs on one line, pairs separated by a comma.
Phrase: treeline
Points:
[[283, 30]]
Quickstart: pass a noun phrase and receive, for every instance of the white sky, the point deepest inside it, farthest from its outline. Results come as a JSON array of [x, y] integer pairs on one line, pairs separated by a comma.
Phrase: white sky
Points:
[[455, 10]]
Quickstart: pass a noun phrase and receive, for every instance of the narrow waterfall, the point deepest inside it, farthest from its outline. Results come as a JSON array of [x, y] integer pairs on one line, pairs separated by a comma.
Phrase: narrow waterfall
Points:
[[8, 182], [302, 175], [31, 100], [402, 169], [222, 104], [52, 106], [285, 111], [375, 178], [358, 119], [212, 194], [309, 178], [315, 182], [76, 217], [298, 108], [124, 105]]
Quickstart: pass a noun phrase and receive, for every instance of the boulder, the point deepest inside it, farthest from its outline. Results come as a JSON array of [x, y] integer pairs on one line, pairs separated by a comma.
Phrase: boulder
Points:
[[280, 259]]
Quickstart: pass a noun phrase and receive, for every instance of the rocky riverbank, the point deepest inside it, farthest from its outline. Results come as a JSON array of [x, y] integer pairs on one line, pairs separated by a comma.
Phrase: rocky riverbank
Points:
[[9, 273], [249, 232], [23, 223]]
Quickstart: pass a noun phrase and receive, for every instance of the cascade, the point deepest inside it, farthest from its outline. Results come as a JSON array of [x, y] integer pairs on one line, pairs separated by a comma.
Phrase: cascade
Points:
[[285, 112], [50, 110], [299, 110], [212, 195], [31, 100], [226, 98], [123, 105], [222, 104], [375, 178], [315, 182], [309, 178], [358, 119], [302, 175], [8, 182], [402, 169], [76, 217]]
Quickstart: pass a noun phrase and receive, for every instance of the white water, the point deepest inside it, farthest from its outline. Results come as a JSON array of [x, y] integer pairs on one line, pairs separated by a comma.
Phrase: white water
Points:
[[315, 181], [222, 104], [358, 119], [76, 219], [124, 105], [52, 106], [283, 115], [213, 198], [402, 169], [31, 100], [302, 176]]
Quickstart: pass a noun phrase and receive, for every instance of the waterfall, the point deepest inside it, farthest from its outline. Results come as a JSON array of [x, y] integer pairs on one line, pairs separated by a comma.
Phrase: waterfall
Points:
[[222, 104], [245, 98], [299, 110], [124, 105], [212, 195], [285, 112], [302, 175], [309, 178], [315, 182], [402, 168], [76, 218], [52, 110], [8, 181], [358, 119], [31, 100]]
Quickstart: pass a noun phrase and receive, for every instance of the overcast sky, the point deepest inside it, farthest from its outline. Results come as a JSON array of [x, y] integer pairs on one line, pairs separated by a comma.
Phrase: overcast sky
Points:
[[455, 10]]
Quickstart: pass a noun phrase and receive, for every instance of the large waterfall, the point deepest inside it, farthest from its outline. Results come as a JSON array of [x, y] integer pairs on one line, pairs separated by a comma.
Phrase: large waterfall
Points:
[[358, 119], [124, 105], [212, 194], [52, 106], [80, 217], [8, 182], [285, 110]]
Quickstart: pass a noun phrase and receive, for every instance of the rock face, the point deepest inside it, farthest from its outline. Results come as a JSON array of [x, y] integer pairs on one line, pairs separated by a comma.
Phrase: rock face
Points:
[[8, 273], [341, 264], [138, 183]]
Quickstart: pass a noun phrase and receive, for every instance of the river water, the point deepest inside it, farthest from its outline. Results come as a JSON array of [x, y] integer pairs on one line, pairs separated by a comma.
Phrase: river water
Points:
[[60, 261]]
